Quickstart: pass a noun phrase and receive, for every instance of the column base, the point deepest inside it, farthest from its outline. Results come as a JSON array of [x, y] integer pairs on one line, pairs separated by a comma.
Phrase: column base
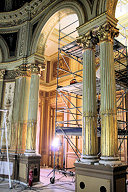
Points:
[[112, 161], [89, 159], [27, 163], [30, 152], [99, 178], [20, 166]]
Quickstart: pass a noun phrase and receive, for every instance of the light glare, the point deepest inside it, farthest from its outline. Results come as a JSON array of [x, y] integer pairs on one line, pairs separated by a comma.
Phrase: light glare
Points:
[[56, 142]]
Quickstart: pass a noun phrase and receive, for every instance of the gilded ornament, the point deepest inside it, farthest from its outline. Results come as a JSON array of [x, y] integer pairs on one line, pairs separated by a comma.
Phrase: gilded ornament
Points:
[[88, 40], [2, 73], [107, 32], [35, 69]]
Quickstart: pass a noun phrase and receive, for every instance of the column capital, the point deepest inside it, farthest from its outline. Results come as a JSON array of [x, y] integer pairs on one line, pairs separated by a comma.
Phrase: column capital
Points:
[[95, 22], [23, 70], [2, 73], [35, 68], [107, 32], [88, 40]]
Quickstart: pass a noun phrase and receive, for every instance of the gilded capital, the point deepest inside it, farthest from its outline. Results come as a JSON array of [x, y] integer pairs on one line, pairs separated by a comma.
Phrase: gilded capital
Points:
[[2, 73], [107, 32], [88, 40], [23, 70], [35, 68]]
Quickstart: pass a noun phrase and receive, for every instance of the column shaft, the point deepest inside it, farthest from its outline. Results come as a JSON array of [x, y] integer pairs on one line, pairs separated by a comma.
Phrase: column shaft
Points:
[[23, 113], [32, 114], [15, 117], [89, 133], [20, 113], [109, 144], [109, 132]]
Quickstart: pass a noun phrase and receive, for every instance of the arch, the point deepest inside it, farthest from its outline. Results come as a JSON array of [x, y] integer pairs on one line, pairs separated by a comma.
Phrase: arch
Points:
[[4, 49], [108, 6], [73, 5]]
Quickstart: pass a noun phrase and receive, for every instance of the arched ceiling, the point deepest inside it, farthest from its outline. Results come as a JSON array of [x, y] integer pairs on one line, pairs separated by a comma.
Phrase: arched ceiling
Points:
[[48, 40], [51, 46]]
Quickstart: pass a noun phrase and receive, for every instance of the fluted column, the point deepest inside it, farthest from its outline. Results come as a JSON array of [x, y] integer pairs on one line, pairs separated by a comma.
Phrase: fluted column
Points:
[[109, 134], [15, 115], [20, 110], [32, 110], [89, 131], [23, 113]]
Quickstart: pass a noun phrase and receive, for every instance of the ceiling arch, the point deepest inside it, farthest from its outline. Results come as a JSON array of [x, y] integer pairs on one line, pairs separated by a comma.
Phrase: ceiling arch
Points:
[[69, 7]]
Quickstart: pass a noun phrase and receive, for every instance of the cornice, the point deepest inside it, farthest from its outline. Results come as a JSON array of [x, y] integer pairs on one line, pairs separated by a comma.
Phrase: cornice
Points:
[[25, 13], [35, 58], [96, 22]]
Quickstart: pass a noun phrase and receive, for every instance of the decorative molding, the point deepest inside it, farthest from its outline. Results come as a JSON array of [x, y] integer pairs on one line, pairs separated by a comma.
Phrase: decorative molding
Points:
[[88, 40], [13, 74], [22, 39], [35, 68], [96, 22], [27, 12], [111, 6], [62, 66], [107, 32], [104, 32], [2, 73], [10, 75], [52, 93]]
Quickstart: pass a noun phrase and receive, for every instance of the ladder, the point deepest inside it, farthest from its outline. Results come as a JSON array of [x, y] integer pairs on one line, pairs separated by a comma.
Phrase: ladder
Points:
[[4, 129]]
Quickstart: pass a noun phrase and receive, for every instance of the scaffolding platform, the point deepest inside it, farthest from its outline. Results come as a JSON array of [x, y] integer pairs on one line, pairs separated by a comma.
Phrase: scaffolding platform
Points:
[[75, 50]]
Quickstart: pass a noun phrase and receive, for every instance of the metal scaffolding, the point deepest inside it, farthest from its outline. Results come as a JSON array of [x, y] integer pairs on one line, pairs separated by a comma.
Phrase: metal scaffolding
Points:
[[71, 91], [74, 88]]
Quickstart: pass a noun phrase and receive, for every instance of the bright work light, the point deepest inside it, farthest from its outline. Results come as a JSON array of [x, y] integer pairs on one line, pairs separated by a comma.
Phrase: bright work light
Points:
[[56, 143]]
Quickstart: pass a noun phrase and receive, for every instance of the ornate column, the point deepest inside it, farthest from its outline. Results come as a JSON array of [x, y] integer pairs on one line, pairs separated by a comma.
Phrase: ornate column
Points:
[[89, 131], [109, 137], [23, 111], [32, 110], [20, 110], [113, 177]]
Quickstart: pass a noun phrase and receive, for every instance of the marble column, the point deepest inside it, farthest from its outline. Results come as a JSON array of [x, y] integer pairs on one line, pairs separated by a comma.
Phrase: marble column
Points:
[[23, 113], [32, 110], [109, 132], [20, 111], [89, 131]]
